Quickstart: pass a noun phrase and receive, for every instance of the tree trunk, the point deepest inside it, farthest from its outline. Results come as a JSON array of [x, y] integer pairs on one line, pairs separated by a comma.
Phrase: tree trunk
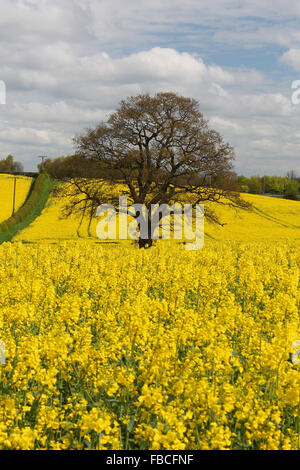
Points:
[[90, 223], [148, 241], [145, 243]]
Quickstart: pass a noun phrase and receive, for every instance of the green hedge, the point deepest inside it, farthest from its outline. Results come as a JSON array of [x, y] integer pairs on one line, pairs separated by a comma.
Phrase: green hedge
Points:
[[34, 204]]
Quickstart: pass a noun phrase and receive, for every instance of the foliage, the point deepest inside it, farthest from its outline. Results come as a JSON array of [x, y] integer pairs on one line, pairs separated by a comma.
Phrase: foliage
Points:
[[291, 190], [287, 186], [70, 166], [163, 151], [9, 165]]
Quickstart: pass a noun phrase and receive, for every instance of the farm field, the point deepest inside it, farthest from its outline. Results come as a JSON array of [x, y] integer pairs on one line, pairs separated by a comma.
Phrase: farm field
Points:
[[6, 194], [111, 347], [271, 219], [118, 348], [149, 230]]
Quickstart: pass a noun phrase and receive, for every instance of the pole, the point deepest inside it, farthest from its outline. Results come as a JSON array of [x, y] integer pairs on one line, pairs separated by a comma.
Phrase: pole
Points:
[[14, 196], [42, 157]]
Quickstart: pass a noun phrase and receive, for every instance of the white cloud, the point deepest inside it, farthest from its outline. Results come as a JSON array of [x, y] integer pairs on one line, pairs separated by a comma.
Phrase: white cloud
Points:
[[85, 89], [226, 124], [291, 58], [68, 63]]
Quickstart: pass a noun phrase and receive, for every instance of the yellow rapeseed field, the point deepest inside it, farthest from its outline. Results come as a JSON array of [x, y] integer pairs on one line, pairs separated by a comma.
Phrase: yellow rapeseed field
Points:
[[112, 347], [6, 194], [271, 219]]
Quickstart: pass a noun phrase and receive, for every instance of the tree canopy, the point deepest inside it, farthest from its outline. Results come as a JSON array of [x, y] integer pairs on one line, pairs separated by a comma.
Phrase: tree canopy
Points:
[[9, 165], [163, 150]]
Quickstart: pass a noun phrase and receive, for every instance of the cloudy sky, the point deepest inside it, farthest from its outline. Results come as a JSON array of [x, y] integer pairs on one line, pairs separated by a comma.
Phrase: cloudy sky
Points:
[[67, 64]]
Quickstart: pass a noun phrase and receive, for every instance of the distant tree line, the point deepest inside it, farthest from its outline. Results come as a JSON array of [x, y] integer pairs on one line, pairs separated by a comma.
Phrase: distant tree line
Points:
[[77, 166], [73, 166], [287, 186], [8, 165]]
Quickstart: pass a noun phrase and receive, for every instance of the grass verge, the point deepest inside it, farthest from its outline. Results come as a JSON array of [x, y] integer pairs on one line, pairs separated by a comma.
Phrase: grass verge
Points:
[[46, 186]]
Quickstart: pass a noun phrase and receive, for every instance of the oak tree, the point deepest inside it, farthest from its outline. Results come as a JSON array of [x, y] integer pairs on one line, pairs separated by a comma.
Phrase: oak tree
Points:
[[164, 152]]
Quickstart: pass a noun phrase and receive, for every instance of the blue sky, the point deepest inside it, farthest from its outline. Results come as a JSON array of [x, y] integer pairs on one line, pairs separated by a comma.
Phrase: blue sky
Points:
[[68, 63]]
